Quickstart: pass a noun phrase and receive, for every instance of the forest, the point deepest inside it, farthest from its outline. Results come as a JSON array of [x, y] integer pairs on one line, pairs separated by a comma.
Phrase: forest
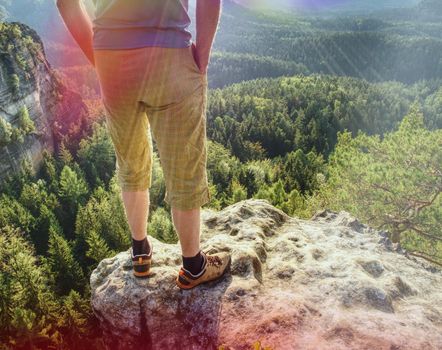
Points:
[[340, 109]]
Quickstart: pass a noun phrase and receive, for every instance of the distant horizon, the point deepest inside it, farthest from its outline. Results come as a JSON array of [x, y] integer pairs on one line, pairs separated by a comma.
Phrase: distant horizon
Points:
[[326, 4]]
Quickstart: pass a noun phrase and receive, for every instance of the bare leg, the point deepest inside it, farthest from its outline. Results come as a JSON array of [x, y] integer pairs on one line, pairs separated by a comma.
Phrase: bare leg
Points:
[[136, 205], [187, 224]]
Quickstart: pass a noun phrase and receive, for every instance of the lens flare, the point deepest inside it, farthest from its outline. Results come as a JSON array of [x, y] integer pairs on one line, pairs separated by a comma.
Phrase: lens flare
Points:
[[296, 4]]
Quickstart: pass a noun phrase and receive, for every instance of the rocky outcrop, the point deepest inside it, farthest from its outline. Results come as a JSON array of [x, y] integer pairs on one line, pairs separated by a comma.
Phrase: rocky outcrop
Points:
[[326, 283], [26, 79]]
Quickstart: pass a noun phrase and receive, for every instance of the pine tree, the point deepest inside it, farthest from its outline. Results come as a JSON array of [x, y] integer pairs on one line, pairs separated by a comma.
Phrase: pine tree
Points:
[[238, 191], [101, 219], [64, 155], [29, 308], [97, 247], [5, 132], [161, 227], [24, 120], [393, 183], [97, 157], [67, 271], [73, 189], [75, 324]]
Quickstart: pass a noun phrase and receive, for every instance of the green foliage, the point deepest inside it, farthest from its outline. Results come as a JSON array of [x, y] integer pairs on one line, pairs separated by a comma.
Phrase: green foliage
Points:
[[101, 220], [255, 174], [394, 45], [64, 155], [25, 126], [229, 67], [238, 191], [393, 183], [34, 195], [286, 114], [215, 202], [48, 171], [16, 31], [433, 107], [222, 167], [41, 204], [157, 190], [66, 270], [6, 131], [161, 227], [96, 156], [14, 83], [21, 61], [77, 319], [73, 188], [302, 170], [97, 247], [28, 307], [24, 121], [14, 182], [14, 214]]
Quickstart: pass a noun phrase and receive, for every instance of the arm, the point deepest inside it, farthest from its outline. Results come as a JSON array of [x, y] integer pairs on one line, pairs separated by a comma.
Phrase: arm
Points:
[[207, 19], [79, 25]]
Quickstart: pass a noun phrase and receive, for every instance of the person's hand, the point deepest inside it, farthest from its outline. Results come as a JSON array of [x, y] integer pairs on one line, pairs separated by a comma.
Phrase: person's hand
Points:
[[201, 62]]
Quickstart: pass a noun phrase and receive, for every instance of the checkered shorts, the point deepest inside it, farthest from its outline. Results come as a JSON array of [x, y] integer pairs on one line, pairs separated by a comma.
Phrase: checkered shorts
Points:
[[157, 92]]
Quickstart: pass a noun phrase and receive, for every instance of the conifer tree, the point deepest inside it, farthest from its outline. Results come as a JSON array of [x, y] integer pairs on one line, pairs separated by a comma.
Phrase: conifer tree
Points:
[[161, 227], [393, 183], [97, 247], [67, 271]]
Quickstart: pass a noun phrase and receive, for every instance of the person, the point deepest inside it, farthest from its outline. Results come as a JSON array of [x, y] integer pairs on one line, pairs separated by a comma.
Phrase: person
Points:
[[153, 81]]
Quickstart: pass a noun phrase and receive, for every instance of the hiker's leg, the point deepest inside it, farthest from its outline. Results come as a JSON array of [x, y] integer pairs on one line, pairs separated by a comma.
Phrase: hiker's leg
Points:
[[127, 124], [177, 117], [136, 205], [187, 224]]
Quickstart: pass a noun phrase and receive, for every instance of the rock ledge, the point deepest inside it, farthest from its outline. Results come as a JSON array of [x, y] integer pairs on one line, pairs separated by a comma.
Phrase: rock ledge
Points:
[[326, 283]]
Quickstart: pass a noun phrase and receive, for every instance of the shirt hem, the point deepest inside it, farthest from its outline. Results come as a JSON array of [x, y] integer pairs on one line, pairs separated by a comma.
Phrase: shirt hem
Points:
[[132, 39]]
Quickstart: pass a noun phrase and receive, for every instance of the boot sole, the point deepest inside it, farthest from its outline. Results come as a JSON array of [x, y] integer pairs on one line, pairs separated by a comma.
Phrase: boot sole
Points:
[[142, 274]]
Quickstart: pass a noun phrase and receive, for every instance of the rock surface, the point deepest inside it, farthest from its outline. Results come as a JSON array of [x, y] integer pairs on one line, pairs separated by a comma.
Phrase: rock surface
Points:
[[54, 109], [326, 283]]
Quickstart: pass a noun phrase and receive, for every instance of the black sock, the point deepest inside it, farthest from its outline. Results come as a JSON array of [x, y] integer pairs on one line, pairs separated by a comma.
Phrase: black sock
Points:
[[194, 264], [140, 246]]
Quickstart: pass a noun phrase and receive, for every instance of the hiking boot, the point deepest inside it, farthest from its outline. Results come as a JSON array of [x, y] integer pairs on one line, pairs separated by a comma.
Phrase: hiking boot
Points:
[[142, 263], [214, 267]]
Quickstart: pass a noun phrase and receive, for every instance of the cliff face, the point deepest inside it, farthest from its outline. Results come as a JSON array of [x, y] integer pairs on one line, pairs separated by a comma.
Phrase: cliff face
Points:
[[27, 82], [321, 284]]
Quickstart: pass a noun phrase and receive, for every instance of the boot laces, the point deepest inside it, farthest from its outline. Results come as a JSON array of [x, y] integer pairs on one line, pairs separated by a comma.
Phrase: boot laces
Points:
[[214, 260]]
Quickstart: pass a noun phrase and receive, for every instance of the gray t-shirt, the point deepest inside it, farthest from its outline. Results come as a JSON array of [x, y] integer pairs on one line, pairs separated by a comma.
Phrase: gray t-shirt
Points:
[[125, 24]]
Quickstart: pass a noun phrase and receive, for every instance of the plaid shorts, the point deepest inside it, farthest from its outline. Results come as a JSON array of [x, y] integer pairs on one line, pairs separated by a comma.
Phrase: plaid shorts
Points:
[[157, 92]]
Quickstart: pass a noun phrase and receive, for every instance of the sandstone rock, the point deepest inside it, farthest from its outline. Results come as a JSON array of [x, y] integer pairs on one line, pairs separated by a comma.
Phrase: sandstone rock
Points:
[[327, 283], [53, 108]]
